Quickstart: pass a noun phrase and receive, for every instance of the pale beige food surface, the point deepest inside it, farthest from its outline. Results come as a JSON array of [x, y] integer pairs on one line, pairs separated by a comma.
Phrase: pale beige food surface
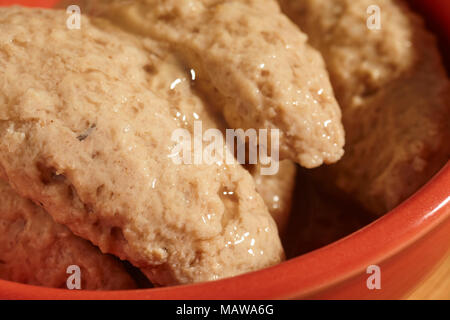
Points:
[[277, 191], [82, 134], [360, 61], [251, 62], [172, 80], [393, 91], [34, 249]]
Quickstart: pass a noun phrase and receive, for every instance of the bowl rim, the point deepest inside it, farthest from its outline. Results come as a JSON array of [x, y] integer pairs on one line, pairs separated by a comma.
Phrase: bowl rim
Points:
[[303, 275]]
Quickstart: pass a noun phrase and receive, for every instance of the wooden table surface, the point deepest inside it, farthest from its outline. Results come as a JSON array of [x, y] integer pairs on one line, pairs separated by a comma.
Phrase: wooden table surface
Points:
[[436, 286]]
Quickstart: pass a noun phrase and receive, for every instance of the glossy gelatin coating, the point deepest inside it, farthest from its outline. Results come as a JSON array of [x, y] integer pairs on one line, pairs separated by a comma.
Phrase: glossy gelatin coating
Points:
[[173, 80], [90, 141], [252, 63]]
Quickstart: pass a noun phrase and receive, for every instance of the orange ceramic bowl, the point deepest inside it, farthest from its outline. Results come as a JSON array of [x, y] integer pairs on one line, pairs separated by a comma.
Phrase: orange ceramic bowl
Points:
[[406, 244]]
